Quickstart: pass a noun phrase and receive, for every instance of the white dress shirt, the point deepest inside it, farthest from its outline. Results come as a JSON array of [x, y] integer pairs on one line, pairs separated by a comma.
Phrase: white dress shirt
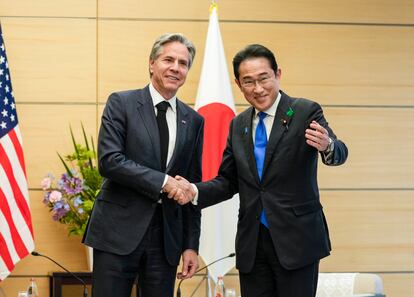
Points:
[[171, 117], [268, 120]]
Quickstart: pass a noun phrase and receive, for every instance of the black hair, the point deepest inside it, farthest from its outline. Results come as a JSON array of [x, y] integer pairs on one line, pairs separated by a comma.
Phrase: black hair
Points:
[[253, 51]]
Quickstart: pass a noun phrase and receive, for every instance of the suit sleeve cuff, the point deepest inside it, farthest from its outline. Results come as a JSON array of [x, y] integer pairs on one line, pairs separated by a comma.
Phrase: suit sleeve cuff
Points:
[[195, 200], [328, 154]]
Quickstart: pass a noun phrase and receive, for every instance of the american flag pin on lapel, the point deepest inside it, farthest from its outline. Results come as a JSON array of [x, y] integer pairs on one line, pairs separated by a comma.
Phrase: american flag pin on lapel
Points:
[[245, 130]]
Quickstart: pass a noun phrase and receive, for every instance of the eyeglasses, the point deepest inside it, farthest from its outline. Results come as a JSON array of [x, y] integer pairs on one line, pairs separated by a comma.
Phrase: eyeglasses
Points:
[[251, 83]]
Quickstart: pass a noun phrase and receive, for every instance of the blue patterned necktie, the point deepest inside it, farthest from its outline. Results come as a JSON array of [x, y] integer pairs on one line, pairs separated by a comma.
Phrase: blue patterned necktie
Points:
[[260, 142]]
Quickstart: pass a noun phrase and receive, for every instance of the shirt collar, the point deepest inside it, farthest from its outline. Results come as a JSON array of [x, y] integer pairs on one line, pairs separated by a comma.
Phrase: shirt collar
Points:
[[272, 109], [157, 98]]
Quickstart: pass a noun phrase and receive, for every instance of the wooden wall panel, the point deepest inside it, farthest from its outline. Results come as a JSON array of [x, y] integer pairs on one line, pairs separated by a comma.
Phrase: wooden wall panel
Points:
[[51, 59], [123, 59], [45, 131], [61, 8], [366, 66], [371, 11], [66, 57], [398, 284], [370, 230], [380, 148], [317, 64]]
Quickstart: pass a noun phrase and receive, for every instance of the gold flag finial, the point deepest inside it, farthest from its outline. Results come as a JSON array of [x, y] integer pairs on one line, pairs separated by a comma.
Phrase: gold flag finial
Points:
[[213, 6]]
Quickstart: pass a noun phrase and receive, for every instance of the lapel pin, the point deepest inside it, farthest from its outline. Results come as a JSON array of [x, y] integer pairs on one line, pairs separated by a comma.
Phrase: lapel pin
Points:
[[289, 113], [285, 123], [245, 130], [184, 122]]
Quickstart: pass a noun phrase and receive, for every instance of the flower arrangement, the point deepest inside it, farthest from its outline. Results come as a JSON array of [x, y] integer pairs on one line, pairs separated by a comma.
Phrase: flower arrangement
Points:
[[70, 199]]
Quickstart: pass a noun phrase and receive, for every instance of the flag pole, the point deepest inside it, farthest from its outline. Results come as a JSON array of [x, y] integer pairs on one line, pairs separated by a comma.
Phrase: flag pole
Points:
[[215, 102]]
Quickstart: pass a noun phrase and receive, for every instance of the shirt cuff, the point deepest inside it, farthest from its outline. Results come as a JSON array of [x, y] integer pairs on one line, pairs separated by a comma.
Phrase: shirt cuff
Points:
[[164, 183], [195, 200]]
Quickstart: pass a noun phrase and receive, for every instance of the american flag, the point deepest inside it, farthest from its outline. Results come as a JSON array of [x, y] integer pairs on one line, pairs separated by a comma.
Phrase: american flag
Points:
[[16, 231]]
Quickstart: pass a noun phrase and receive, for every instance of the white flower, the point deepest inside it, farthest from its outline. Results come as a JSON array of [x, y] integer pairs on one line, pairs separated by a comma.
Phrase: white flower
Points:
[[45, 183], [55, 196]]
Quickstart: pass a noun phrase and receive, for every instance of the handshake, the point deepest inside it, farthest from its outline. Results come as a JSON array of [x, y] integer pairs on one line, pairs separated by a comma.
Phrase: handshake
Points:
[[179, 189]]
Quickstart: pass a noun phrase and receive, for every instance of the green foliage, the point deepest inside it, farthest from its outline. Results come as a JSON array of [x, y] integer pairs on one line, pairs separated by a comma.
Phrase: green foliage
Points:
[[71, 199]]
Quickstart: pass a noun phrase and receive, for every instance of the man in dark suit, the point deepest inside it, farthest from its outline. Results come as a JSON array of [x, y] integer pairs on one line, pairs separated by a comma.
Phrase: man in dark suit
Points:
[[146, 137], [271, 160]]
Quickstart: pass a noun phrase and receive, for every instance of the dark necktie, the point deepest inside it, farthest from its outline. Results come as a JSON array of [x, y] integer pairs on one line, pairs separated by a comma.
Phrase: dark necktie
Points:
[[163, 131], [260, 142]]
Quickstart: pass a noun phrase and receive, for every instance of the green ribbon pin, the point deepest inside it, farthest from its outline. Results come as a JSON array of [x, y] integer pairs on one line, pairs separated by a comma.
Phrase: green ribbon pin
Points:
[[290, 112]]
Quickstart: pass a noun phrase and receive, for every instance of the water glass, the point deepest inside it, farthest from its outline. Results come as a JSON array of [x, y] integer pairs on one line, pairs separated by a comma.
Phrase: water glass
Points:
[[230, 292]]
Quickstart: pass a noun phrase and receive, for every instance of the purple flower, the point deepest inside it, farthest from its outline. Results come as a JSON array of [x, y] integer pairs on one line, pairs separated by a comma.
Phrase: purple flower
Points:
[[46, 198], [78, 201], [71, 185], [60, 209]]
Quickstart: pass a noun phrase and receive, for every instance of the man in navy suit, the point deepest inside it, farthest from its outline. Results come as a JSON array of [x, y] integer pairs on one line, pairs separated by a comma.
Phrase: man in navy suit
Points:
[[271, 160], [147, 136]]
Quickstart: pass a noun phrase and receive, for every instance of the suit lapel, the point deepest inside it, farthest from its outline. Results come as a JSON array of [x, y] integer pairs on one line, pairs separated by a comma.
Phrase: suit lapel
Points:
[[147, 113], [280, 126], [182, 129], [246, 125]]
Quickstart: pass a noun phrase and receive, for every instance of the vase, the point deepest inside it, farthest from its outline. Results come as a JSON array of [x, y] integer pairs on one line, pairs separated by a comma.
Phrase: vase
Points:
[[89, 257]]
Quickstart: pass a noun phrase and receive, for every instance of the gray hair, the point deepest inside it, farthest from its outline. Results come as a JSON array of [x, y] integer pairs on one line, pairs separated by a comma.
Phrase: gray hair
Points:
[[158, 46]]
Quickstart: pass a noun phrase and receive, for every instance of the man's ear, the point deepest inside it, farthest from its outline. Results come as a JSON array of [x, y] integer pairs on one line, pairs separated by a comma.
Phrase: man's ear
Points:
[[278, 73], [237, 83], [151, 64]]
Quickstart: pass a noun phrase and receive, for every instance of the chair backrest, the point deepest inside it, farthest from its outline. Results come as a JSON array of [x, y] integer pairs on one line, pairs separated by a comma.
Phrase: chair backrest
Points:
[[349, 285]]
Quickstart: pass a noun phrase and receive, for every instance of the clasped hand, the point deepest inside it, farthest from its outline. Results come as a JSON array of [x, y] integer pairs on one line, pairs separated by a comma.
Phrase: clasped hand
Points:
[[179, 189]]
